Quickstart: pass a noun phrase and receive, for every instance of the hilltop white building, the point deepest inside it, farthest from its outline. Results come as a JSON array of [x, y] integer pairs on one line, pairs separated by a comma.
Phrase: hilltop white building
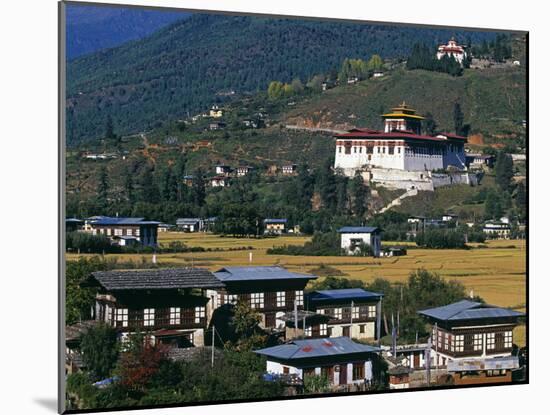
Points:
[[451, 49]]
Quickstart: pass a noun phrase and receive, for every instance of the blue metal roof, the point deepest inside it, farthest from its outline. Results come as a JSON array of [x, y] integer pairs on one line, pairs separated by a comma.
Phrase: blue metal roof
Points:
[[258, 273], [106, 220], [308, 348], [468, 310], [187, 221], [344, 294], [275, 220], [358, 229]]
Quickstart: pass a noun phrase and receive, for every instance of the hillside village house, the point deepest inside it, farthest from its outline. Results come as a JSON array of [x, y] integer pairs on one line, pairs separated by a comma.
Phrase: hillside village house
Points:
[[474, 160], [223, 169], [216, 112], [339, 359], [243, 170], [469, 334], [272, 291], [352, 312], [400, 147], [352, 237], [189, 224], [219, 181], [124, 231], [169, 304], [218, 125], [275, 226], [289, 169], [500, 230], [304, 324], [451, 49]]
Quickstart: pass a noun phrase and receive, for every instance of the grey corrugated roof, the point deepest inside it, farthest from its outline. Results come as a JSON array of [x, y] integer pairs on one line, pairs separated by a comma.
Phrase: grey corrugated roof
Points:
[[258, 273], [468, 310], [358, 229], [344, 294], [153, 279], [106, 221], [187, 221], [494, 363], [307, 348]]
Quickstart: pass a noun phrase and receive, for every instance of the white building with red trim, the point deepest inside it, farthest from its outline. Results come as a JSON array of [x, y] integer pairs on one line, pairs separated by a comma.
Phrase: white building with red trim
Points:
[[451, 49], [401, 146]]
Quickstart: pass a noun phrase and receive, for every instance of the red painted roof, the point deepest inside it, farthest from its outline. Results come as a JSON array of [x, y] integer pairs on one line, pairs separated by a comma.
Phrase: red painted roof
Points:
[[453, 136], [405, 135]]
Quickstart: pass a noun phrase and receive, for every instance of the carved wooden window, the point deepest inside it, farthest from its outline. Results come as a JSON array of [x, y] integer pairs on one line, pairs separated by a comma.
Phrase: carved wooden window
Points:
[[122, 316], [281, 299], [175, 315], [149, 317], [257, 300], [200, 313], [299, 297]]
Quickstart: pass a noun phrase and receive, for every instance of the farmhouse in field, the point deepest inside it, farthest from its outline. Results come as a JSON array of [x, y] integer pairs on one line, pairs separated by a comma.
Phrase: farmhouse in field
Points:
[[352, 238], [189, 224], [339, 359], [352, 312], [473, 341], [272, 291], [275, 226], [170, 303], [498, 230], [124, 231], [451, 49]]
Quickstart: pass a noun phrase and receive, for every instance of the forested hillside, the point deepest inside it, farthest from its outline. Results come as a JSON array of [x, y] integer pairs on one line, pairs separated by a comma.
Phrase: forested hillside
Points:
[[91, 28], [180, 68]]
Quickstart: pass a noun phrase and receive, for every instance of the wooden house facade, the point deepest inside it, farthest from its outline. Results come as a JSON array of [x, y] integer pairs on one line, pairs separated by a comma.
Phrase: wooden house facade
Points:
[[170, 305], [272, 291], [473, 332], [352, 312]]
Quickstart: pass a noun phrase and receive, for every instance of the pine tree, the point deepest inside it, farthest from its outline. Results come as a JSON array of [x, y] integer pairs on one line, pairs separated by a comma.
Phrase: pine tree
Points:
[[458, 117], [129, 185], [103, 186], [430, 125], [359, 192], [504, 171]]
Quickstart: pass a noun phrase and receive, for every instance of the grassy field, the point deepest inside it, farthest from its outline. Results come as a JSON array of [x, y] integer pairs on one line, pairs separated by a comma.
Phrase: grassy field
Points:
[[496, 273]]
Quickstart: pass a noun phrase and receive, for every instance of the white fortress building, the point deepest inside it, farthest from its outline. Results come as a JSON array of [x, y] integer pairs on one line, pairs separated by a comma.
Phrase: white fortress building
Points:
[[451, 49], [400, 146]]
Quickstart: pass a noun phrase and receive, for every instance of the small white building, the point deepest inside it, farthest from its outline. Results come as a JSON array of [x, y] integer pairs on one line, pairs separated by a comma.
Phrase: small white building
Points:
[[219, 181], [449, 217], [189, 224], [352, 237], [216, 112], [498, 230], [289, 169], [341, 360], [275, 226], [243, 170], [223, 169]]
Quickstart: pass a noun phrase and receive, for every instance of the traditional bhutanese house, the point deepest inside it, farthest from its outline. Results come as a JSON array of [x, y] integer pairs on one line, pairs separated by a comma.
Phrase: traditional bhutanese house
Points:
[[223, 169], [352, 237], [339, 359], [475, 371], [289, 169], [449, 217], [353, 312], [216, 126], [219, 181], [216, 112], [189, 224], [188, 180], [305, 324], [165, 227], [451, 49], [243, 170], [275, 226], [479, 160], [401, 146], [73, 224], [171, 305], [498, 230], [409, 355], [145, 232], [272, 291], [468, 331]]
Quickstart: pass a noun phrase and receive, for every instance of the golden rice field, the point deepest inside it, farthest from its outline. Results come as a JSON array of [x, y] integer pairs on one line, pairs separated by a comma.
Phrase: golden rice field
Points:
[[496, 273]]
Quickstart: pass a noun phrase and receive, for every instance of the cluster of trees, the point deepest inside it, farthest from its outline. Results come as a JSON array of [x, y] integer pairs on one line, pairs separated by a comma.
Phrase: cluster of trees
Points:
[[424, 57], [144, 375], [441, 239], [498, 49], [358, 68], [277, 90], [316, 199]]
